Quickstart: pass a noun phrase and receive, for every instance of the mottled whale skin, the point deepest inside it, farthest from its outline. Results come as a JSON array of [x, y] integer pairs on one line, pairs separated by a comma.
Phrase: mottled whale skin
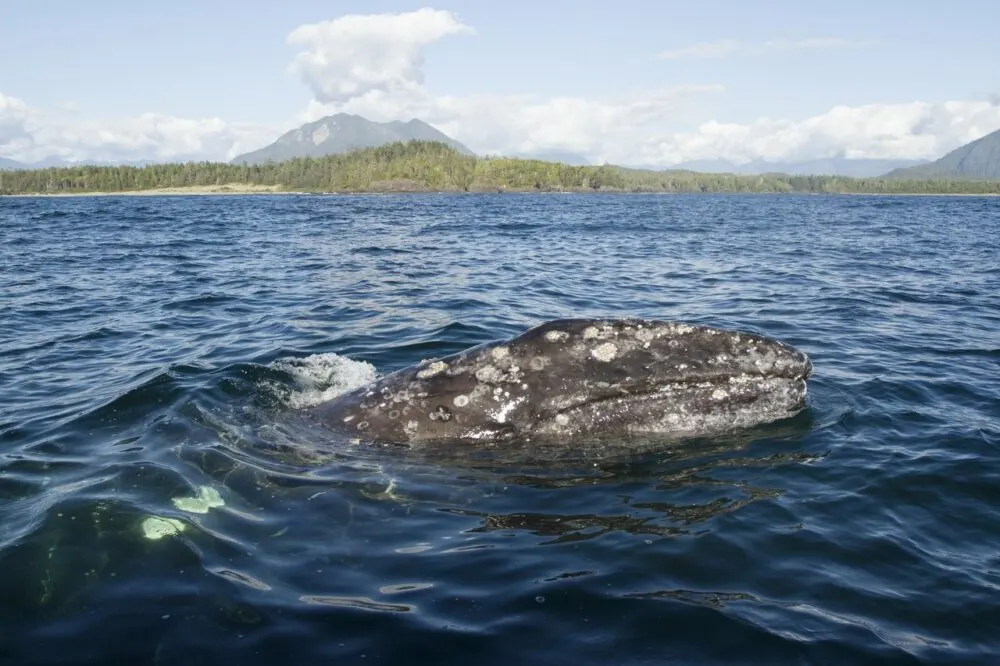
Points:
[[582, 378]]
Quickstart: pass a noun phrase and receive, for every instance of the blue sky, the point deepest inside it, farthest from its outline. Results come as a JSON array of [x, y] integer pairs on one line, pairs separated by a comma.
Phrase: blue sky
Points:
[[628, 81]]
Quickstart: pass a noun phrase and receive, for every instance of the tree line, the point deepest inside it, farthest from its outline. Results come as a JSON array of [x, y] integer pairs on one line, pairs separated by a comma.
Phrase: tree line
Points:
[[434, 166]]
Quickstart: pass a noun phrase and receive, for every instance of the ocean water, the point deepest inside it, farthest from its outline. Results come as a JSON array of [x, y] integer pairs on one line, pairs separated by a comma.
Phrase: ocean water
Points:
[[161, 504]]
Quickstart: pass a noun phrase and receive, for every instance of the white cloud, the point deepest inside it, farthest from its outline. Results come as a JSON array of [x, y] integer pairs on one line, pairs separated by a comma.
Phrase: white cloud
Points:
[[28, 134], [15, 117], [728, 47], [602, 129], [917, 130], [358, 54]]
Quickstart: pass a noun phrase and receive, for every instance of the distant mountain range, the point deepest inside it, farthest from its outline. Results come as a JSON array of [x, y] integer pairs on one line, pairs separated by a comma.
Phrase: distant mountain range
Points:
[[979, 160], [832, 166], [57, 162], [342, 133]]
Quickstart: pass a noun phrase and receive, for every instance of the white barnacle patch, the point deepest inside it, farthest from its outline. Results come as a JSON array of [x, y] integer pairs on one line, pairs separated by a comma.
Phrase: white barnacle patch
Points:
[[500, 416], [556, 336], [488, 374], [411, 427], [590, 333], [499, 353], [461, 400], [604, 352], [644, 335], [435, 368], [562, 419], [348, 419], [441, 413], [719, 394]]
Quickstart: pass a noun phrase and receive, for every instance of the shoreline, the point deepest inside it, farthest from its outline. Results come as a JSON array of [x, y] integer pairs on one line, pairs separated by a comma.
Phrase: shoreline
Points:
[[191, 190], [239, 189], [183, 193]]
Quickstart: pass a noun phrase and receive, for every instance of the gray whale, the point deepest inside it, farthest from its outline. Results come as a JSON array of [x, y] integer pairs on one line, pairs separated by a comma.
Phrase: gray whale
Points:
[[582, 378]]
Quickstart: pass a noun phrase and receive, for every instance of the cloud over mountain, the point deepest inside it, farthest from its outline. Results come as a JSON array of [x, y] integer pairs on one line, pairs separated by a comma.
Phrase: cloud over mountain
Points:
[[917, 130], [354, 55]]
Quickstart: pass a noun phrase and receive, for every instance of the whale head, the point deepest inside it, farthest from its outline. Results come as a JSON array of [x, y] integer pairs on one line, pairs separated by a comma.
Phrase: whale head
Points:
[[576, 378]]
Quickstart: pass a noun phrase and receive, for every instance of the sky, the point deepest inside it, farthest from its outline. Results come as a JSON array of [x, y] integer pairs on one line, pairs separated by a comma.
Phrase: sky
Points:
[[652, 83]]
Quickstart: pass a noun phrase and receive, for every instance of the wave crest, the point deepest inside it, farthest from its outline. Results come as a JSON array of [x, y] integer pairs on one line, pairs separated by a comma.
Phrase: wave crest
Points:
[[319, 378]]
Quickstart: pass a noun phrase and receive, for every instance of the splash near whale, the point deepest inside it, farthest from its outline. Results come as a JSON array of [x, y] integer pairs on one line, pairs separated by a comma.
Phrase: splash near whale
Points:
[[582, 378]]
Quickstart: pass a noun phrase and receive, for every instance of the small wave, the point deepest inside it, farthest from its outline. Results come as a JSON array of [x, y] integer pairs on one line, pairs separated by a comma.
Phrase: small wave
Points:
[[320, 378]]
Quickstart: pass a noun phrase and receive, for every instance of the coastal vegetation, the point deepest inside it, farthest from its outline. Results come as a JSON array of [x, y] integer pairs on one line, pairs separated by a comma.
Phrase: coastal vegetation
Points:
[[434, 166]]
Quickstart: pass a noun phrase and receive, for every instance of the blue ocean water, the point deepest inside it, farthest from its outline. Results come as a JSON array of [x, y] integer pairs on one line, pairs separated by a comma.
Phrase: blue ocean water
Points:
[[157, 507]]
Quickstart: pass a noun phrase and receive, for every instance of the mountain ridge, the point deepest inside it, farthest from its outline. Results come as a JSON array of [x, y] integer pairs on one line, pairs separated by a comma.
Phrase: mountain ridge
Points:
[[343, 133], [979, 159], [829, 166]]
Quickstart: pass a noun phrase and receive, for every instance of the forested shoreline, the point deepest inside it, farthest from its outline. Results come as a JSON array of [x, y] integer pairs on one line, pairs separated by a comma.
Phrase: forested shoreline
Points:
[[435, 167]]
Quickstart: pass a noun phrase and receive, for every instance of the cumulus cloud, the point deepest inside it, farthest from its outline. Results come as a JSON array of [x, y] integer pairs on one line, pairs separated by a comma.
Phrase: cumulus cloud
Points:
[[603, 129], [358, 54], [154, 136], [15, 117], [918, 130], [730, 47], [28, 134]]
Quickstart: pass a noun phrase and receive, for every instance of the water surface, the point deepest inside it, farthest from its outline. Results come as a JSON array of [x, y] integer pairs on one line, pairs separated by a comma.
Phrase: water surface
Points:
[[158, 504]]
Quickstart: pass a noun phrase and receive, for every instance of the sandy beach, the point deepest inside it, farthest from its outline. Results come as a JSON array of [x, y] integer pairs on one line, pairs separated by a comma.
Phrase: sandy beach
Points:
[[192, 190]]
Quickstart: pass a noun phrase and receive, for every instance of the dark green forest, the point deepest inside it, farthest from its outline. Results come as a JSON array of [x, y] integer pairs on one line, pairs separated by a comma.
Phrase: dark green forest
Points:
[[432, 166]]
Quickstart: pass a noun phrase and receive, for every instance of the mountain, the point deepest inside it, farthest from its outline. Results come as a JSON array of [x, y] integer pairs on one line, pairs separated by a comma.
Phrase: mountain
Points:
[[979, 160], [59, 163], [831, 166], [342, 133]]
